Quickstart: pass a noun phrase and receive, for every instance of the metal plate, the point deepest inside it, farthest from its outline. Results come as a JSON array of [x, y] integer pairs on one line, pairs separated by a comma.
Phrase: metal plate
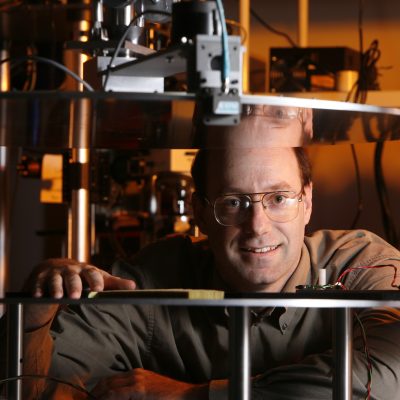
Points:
[[59, 120]]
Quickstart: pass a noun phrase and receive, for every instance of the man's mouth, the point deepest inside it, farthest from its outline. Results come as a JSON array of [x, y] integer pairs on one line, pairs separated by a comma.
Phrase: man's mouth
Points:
[[264, 249]]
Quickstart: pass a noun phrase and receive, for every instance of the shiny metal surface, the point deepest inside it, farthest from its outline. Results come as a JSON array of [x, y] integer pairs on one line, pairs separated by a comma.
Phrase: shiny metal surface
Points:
[[307, 299], [4, 223], [149, 120], [343, 351], [239, 353], [15, 350], [5, 154], [79, 211]]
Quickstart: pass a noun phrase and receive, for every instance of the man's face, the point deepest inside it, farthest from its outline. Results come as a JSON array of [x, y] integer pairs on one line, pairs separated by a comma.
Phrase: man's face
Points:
[[259, 254]]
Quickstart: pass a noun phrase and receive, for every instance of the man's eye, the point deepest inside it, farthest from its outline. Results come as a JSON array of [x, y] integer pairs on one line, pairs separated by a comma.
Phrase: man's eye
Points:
[[232, 202], [278, 199], [280, 113]]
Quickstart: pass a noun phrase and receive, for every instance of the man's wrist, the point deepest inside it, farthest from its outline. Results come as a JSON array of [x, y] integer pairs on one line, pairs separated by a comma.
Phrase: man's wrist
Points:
[[197, 392], [38, 316]]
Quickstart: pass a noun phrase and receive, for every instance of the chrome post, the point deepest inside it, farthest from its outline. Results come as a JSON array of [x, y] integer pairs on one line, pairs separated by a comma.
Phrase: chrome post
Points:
[[343, 352], [79, 212], [14, 350], [239, 353]]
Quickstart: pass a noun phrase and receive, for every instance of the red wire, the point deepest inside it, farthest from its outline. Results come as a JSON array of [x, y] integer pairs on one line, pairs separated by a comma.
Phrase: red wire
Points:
[[368, 267]]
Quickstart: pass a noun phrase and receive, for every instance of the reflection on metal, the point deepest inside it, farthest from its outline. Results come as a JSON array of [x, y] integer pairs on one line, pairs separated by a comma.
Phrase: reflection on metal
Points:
[[4, 182], [15, 349], [343, 351], [79, 212], [4, 223], [239, 353]]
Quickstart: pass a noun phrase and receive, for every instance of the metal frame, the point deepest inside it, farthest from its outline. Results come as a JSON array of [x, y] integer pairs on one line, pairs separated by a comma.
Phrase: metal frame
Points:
[[239, 380]]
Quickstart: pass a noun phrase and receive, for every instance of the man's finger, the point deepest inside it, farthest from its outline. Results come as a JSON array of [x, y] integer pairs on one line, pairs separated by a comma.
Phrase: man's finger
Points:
[[55, 285], [39, 286], [115, 283], [94, 278], [73, 284]]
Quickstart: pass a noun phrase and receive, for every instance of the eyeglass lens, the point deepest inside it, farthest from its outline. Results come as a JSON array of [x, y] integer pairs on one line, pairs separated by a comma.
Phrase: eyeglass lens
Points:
[[232, 210]]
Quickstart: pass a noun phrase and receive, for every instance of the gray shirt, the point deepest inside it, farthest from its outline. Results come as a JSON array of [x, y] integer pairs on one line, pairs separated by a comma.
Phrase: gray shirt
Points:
[[290, 348]]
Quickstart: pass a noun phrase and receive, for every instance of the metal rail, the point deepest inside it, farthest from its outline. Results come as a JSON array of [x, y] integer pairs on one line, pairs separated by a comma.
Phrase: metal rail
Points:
[[239, 329]]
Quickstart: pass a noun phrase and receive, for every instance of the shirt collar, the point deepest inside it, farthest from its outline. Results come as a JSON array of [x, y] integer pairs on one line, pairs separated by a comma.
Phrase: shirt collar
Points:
[[302, 275]]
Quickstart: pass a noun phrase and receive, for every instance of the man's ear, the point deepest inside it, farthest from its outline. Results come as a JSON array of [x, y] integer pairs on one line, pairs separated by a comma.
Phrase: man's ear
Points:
[[199, 210], [307, 200]]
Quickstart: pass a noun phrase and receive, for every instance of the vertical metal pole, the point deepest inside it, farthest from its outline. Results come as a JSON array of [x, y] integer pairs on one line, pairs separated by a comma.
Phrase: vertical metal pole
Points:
[[4, 179], [4, 220], [239, 353], [15, 311], [79, 212], [79, 215], [14, 349], [244, 20], [303, 15], [343, 353]]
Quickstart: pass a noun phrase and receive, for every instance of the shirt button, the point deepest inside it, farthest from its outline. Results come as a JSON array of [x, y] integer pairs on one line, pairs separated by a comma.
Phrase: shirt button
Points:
[[284, 326]]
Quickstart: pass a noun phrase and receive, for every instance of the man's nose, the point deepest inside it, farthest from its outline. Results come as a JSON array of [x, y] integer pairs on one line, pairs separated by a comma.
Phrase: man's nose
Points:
[[258, 222]]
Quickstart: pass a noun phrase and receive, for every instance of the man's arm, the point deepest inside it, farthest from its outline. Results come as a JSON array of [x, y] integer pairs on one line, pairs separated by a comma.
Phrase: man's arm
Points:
[[55, 278], [140, 383], [63, 277]]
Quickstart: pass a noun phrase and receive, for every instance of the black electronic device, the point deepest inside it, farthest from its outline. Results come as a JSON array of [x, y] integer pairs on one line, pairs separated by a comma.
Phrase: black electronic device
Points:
[[295, 69]]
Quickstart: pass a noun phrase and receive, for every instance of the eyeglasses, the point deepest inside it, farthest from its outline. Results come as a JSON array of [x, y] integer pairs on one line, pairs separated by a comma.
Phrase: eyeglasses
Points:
[[234, 209], [277, 113]]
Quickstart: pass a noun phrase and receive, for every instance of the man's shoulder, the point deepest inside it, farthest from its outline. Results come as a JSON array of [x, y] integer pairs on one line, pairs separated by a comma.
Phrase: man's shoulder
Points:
[[347, 239], [337, 250]]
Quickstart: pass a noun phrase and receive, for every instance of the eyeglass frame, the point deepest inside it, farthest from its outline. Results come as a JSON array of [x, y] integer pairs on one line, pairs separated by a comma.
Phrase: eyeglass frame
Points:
[[298, 196], [250, 110]]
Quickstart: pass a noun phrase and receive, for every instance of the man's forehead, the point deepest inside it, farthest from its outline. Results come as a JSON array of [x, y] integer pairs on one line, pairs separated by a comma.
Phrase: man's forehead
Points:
[[252, 156], [275, 166]]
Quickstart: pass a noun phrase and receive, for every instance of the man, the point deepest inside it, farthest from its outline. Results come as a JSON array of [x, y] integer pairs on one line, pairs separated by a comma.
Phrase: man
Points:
[[253, 204]]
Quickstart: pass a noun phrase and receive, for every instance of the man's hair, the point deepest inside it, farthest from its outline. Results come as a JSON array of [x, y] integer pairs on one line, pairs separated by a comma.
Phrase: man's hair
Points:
[[199, 168]]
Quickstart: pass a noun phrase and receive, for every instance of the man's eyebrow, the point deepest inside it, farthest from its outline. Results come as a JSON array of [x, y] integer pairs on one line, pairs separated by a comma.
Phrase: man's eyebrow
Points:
[[281, 186], [276, 187]]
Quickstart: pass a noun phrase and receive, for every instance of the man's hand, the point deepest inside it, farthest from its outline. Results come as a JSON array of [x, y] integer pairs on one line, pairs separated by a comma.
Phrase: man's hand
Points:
[[59, 277], [141, 384]]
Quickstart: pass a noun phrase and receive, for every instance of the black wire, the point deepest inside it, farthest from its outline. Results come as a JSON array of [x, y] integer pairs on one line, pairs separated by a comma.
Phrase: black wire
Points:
[[18, 60], [266, 25], [358, 99], [121, 41], [366, 80], [48, 378], [367, 355], [361, 25]]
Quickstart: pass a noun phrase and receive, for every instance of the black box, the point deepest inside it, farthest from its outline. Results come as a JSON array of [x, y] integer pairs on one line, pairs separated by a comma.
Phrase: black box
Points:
[[298, 69]]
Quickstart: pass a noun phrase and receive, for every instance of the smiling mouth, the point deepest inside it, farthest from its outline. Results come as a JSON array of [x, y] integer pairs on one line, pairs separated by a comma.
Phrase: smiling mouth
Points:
[[265, 249]]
